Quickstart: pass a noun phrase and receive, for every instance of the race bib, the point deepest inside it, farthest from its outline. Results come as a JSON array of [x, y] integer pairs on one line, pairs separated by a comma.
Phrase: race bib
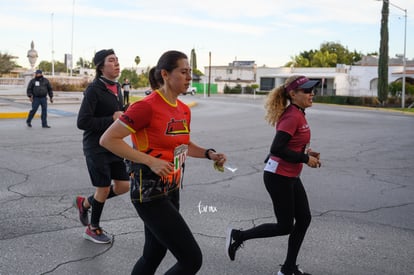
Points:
[[37, 83], [271, 165], [180, 154]]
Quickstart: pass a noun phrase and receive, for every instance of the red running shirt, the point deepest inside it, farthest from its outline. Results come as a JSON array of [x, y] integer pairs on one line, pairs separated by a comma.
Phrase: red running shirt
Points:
[[294, 123], [158, 128]]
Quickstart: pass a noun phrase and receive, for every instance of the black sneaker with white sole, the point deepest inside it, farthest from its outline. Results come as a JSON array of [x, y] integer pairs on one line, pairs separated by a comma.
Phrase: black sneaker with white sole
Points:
[[292, 271], [232, 244]]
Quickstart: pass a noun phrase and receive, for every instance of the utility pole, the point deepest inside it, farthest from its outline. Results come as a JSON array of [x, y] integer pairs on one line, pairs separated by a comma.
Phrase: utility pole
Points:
[[387, 2], [53, 50], [383, 56], [209, 73]]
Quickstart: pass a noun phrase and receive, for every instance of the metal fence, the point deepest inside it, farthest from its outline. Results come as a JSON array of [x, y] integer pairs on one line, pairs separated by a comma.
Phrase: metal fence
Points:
[[12, 82]]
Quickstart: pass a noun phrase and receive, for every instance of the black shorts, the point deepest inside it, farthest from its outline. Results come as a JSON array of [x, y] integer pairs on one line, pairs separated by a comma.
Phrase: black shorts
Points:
[[105, 167]]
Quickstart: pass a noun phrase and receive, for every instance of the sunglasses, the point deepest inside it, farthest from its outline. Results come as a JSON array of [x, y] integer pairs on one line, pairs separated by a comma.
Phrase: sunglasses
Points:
[[309, 91]]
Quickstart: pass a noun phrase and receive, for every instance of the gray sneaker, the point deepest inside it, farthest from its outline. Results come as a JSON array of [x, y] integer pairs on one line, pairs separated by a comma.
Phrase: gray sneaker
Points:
[[96, 235]]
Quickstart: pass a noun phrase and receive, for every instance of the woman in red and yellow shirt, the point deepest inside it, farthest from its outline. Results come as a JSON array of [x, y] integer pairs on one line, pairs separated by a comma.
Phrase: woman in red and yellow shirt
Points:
[[159, 126]]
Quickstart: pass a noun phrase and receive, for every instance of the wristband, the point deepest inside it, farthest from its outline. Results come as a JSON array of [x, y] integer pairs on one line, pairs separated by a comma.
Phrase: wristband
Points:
[[207, 151]]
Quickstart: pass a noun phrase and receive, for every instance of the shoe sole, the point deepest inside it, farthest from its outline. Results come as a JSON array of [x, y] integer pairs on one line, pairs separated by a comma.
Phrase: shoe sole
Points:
[[89, 238], [280, 272], [228, 242]]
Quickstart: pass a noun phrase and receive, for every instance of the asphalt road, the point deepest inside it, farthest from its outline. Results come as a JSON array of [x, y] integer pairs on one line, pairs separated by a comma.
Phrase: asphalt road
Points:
[[362, 198]]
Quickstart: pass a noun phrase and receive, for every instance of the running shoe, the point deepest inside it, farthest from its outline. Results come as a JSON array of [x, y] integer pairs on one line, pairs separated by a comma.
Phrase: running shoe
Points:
[[96, 235], [231, 243], [83, 213], [295, 271]]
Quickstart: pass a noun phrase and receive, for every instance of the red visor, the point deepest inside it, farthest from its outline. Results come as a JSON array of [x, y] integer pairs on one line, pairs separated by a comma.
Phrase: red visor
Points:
[[301, 82]]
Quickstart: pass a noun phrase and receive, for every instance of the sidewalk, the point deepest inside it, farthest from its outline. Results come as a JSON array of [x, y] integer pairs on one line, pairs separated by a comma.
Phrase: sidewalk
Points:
[[14, 103]]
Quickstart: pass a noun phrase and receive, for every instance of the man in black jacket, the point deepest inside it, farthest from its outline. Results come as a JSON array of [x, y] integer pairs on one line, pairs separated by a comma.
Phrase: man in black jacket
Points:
[[37, 90], [102, 104]]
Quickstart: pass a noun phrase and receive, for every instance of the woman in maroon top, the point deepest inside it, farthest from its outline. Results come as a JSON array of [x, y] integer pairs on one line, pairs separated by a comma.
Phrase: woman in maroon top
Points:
[[289, 150]]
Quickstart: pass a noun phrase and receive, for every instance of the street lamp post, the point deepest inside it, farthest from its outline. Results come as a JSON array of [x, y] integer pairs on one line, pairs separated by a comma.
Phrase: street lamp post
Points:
[[53, 50], [404, 59], [71, 46], [405, 48]]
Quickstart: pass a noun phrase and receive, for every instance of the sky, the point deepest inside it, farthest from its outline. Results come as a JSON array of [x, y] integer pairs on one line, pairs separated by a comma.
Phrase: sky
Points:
[[269, 32]]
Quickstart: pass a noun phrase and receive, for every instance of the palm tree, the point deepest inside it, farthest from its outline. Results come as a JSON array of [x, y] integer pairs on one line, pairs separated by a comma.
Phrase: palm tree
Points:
[[137, 60]]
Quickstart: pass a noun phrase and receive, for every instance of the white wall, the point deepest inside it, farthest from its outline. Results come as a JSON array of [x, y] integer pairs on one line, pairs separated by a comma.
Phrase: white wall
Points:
[[345, 79]]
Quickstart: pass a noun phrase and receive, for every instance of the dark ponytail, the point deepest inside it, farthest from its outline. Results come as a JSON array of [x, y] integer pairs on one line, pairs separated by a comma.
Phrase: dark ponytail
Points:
[[168, 61], [155, 84]]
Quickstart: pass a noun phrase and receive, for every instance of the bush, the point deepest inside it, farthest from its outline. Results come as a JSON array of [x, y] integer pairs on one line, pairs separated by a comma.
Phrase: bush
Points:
[[363, 101], [59, 85], [346, 100], [235, 90], [226, 89], [248, 90], [395, 88]]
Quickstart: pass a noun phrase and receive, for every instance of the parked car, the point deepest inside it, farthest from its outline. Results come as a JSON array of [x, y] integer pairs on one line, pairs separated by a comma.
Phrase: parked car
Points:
[[147, 92], [191, 91]]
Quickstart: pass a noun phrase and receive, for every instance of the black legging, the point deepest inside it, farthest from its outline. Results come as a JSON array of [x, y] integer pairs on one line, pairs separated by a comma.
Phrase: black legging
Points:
[[165, 229], [291, 207]]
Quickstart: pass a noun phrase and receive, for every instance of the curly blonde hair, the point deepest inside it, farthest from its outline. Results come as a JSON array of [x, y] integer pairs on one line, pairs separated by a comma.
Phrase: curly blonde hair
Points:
[[277, 101]]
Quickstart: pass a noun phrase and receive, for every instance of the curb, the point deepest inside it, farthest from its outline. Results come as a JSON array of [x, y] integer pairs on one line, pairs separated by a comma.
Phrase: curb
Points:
[[192, 104], [12, 115], [16, 115], [369, 108]]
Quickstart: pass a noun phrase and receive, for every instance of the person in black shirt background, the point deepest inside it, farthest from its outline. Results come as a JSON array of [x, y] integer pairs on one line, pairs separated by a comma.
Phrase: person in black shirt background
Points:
[[126, 87], [38, 90]]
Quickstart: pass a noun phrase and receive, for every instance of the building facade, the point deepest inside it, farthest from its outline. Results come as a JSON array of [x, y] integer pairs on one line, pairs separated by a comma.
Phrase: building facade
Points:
[[237, 72], [346, 80]]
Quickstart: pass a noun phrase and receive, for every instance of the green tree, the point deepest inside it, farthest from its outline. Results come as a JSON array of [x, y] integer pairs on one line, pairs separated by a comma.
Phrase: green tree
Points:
[[328, 55], [193, 60], [83, 63], [383, 55], [344, 56], [46, 66], [7, 63], [137, 60], [131, 75], [301, 60], [395, 88], [356, 56], [193, 64], [298, 61], [308, 54], [143, 78], [137, 80], [324, 59]]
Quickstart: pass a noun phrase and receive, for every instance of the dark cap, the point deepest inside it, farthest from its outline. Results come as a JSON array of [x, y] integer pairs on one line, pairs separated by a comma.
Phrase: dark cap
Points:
[[301, 82], [38, 72], [100, 56]]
